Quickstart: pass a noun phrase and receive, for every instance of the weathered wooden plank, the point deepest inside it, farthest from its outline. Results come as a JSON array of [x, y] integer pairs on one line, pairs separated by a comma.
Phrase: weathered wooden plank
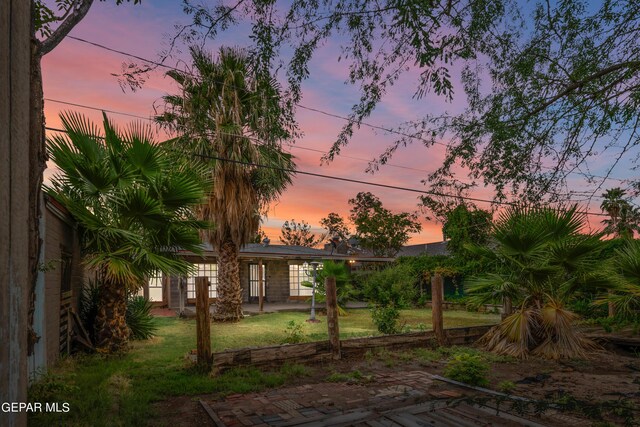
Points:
[[203, 322], [15, 24], [333, 328], [437, 286]]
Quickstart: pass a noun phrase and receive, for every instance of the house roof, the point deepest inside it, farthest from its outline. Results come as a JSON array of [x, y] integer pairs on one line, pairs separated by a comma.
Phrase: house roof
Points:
[[432, 249], [258, 250]]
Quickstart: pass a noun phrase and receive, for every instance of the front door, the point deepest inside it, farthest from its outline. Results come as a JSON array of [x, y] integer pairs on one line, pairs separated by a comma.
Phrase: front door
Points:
[[254, 284]]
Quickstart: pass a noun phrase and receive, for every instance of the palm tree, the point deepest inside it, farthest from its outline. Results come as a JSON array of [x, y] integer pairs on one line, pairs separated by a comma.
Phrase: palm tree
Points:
[[626, 264], [230, 117], [541, 262], [131, 201], [624, 218]]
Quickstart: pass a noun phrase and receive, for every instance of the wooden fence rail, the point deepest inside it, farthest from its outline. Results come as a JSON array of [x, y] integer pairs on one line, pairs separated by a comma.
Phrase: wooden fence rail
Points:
[[321, 350]]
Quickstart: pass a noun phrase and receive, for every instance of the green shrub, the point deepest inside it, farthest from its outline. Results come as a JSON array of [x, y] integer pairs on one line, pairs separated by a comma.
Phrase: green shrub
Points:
[[139, 318], [386, 319], [393, 286], [506, 386], [468, 368], [294, 333]]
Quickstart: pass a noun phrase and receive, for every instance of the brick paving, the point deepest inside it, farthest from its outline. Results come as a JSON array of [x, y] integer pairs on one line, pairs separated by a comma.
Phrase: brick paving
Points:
[[387, 399]]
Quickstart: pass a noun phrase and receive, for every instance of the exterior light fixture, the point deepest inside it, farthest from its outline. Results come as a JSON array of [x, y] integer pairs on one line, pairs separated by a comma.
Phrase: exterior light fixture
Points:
[[312, 317]]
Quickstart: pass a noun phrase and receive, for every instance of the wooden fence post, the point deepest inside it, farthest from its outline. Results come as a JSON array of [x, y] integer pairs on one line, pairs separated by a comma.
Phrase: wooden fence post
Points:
[[332, 316], [436, 308], [261, 287], [203, 322]]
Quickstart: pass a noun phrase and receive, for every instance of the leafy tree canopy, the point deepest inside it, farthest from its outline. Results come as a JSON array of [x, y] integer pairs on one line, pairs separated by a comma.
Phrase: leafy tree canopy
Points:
[[464, 225], [548, 85], [336, 226], [377, 228], [299, 234]]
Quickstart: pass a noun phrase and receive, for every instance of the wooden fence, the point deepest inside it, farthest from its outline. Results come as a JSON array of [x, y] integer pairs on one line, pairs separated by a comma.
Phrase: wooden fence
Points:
[[321, 350]]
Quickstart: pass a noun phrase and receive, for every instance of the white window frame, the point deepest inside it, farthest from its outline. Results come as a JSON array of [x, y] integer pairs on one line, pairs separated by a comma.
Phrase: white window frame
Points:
[[207, 269], [299, 273]]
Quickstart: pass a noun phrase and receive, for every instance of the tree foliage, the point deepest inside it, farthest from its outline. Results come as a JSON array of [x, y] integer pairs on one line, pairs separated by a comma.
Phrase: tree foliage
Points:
[[299, 234], [336, 226], [624, 218], [377, 228], [464, 225], [549, 85]]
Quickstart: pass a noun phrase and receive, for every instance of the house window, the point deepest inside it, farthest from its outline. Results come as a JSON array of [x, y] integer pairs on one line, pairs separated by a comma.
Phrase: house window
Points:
[[299, 274], [155, 286], [65, 268], [207, 270], [254, 283]]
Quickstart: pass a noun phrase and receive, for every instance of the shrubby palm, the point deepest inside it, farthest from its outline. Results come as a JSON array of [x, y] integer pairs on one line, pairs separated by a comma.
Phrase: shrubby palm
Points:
[[131, 201], [541, 261], [229, 116], [626, 265]]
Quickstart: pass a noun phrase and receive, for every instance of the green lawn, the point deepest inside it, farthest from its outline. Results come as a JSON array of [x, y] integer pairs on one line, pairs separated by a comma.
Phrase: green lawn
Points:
[[119, 390]]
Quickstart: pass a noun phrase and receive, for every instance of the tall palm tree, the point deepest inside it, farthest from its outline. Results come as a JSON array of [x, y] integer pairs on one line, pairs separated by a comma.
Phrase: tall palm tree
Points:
[[230, 116], [541, 262], [132, 202], [624, 218]]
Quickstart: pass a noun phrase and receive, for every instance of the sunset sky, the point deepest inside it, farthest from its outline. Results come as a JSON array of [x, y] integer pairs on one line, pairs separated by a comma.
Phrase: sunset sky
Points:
[[79, 73]]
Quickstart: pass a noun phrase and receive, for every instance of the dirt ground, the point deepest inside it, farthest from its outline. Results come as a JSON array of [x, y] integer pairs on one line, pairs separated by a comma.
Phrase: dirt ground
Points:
[[593, 390]]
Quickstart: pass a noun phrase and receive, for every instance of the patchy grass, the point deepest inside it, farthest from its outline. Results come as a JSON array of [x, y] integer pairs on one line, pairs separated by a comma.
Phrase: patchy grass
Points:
[[119, 390]]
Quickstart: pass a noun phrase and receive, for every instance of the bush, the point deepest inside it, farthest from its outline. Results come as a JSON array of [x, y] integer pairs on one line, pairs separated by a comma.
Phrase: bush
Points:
[[393, 286], [386, 319], [294, 333], [468, 368], [139, 318]]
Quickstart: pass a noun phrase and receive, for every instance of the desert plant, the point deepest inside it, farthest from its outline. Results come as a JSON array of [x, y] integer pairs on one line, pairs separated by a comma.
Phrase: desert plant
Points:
[[542, 262], [386, 319], [139, 319], [468, 368], [294, 332]]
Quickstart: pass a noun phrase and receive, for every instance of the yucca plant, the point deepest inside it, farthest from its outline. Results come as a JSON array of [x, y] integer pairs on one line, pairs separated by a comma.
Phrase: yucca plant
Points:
[[344, 289], [541, 261], [132, 202]]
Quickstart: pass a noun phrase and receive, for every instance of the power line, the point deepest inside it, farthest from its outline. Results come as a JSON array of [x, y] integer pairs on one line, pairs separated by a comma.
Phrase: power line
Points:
[[160, 64], [350, 180], [297, 146]]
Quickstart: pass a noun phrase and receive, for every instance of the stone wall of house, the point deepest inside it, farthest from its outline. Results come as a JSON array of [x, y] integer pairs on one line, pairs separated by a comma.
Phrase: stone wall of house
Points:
[[277, 280]]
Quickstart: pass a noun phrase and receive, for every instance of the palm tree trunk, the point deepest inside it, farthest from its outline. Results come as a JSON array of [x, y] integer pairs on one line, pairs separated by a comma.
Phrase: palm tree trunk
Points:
[[229, 301], [112, 332]]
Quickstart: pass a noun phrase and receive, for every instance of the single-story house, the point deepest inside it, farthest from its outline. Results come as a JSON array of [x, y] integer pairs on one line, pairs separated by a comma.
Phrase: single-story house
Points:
[[284, 268]]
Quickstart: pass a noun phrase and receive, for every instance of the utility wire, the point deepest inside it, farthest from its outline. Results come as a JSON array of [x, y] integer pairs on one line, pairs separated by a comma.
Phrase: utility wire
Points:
[[355, 181], [297, 146], [160, 64]]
